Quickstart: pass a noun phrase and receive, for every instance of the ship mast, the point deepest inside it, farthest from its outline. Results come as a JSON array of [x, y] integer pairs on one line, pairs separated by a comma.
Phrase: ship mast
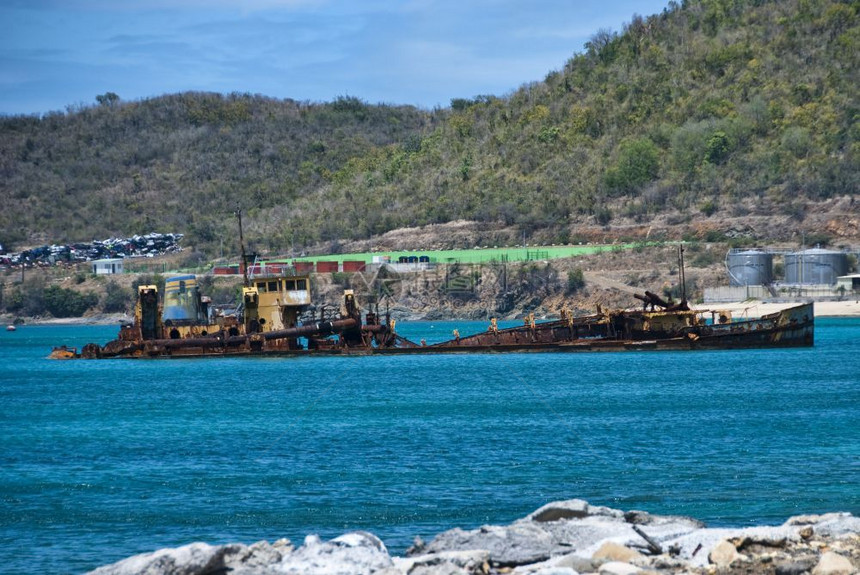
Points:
[[682, 275], [242, 247]]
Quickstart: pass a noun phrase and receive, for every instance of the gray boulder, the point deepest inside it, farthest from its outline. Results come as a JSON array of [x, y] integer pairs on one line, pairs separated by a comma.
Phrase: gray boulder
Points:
[[559, 528], [518, 544], [193, 559], [445, 563]]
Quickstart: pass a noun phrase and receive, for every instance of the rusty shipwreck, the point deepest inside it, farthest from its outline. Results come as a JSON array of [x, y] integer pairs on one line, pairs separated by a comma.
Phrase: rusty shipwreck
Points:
[[273, 322]]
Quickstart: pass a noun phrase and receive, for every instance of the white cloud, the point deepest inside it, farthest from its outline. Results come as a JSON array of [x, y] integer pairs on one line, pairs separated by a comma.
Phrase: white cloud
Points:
[[421, 52]]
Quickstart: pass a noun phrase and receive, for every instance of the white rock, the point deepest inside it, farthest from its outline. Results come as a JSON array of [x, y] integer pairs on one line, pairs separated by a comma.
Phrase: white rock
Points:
[[833, 564], [554, 571], [618, 568], [360, 539], [611, 551], [558, 564], [723, 554], [355, 553]]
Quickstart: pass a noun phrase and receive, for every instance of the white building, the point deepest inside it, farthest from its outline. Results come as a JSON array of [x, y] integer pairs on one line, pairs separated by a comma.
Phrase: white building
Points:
[[107, 267], [849, 283]]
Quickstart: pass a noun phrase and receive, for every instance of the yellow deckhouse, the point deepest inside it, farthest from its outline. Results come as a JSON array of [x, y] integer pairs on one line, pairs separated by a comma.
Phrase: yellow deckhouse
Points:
[[274, 302]]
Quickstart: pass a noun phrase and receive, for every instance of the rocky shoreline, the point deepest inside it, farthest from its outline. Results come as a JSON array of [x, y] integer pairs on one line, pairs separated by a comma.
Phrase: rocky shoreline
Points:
[[561, 538]]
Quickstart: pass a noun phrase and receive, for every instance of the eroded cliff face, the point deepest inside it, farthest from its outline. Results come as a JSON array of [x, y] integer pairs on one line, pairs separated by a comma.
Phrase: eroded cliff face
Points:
[[544, 288], [754, 222]]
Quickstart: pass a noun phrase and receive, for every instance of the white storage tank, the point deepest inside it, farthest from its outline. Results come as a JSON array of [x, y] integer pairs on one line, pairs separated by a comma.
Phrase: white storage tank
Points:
[[815, 266]]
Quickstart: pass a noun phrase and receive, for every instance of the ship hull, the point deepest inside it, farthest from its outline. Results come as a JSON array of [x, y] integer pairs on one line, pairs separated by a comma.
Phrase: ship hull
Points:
[[793, 327]]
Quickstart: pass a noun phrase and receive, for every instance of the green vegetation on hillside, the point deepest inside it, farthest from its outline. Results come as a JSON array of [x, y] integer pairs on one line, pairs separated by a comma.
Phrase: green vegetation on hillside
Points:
[[713, 106], [181, 162], [719, 104]]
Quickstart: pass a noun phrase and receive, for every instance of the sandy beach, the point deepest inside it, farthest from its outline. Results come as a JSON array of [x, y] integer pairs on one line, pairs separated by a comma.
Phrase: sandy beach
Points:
[[752, 309]]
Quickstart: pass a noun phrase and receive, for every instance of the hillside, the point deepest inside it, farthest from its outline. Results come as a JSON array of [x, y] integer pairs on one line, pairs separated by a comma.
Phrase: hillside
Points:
[[722, 109], [717, 118], [180, 162]]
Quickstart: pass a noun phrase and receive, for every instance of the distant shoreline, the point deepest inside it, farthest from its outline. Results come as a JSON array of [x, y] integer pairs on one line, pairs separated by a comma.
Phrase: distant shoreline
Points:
[[100, 319]]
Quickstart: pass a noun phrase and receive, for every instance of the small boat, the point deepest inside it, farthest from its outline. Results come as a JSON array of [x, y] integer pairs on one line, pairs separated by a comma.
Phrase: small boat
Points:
[[11, 327]]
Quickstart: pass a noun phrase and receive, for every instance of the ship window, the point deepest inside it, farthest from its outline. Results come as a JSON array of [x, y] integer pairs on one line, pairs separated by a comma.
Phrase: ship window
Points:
[[273, 286], [261, 287], [290, 285], [301, 284]]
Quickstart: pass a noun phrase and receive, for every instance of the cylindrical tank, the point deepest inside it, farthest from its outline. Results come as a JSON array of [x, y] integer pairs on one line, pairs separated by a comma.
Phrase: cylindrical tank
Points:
[[750, 268], [815, 266]]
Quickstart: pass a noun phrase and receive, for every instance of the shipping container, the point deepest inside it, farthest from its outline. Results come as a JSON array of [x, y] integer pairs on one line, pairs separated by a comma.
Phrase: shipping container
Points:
[[354, 266], [327, 267]]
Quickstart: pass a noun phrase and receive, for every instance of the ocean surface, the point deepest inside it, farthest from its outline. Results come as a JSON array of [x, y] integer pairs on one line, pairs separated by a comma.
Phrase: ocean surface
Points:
[[100, 460]]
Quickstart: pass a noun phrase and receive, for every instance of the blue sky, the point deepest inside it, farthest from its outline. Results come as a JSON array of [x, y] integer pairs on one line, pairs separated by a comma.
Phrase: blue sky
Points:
[[56, 53]]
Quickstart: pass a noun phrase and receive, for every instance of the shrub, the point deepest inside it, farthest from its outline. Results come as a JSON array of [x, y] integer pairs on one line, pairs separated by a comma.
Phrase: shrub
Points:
[[116, 299], [603, 215], [62, 302], [575, 280], [340, 278], [708, 208]]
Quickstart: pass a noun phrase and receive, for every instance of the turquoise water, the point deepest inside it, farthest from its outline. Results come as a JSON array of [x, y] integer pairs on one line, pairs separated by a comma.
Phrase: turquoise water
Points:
[[103, 459]]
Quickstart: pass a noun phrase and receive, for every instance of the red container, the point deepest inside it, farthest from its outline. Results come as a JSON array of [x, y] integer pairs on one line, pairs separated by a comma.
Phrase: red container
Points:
[[354, 266], [224, 270], [327, 267], [303, 267]]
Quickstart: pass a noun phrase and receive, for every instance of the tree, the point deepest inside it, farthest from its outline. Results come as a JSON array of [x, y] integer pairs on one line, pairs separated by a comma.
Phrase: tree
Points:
[[575, 280], [637, 164], [718, 148], [108, 99]]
